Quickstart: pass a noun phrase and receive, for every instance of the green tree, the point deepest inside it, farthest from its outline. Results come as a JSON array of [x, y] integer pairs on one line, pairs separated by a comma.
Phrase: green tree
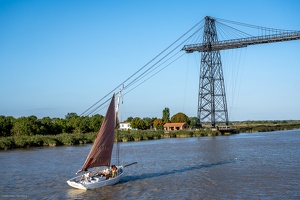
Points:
[[179, 118], [158, 124], [71, 115], [46, 126], [59, 126], [6, 125], [138, 123], [95, 122], [166, 115], [26, 126], [129, 119], [83, 125], [72, 123], [194, 122], [149, 122]]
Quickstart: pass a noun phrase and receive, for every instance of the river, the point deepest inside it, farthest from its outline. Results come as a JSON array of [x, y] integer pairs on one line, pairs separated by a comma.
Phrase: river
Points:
[[242, 166]]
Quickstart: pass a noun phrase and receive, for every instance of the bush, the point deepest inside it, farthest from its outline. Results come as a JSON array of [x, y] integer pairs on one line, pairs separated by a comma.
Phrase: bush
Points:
[[37, 140], [50, 141], [125, 136], [22, 141], [89, 137], [6, 143], [66, 139], [137, 136]]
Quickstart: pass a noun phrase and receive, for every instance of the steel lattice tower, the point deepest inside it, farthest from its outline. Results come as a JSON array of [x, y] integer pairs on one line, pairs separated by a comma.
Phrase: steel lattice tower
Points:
[[212, 105]]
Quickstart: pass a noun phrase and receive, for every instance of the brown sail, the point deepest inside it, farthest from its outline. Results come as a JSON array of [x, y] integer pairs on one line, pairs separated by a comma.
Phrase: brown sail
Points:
[[100, 154]]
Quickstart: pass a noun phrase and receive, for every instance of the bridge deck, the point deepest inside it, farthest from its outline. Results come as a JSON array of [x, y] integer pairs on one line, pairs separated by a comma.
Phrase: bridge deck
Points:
[[242, 42]]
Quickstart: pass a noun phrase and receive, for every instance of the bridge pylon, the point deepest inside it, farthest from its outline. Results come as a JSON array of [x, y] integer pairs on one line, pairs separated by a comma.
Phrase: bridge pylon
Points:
[[212, 104]]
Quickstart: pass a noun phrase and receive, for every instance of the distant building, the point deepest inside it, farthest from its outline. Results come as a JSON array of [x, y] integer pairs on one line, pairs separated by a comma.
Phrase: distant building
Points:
[[175, 126], [125, 126]]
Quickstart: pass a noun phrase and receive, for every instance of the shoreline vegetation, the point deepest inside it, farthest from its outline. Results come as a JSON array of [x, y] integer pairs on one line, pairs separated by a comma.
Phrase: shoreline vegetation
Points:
[[27, 141]]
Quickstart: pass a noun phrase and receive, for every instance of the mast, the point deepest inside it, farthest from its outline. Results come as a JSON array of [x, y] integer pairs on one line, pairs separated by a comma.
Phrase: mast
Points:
[[117, 124]]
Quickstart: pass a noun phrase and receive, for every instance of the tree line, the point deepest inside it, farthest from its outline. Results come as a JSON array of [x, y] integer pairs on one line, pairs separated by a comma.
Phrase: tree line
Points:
[[72, 123], [28, 126]]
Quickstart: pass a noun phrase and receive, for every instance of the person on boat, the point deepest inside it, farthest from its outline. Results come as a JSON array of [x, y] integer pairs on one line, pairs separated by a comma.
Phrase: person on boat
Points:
[[113, 171], [106, 172], [87, 176]]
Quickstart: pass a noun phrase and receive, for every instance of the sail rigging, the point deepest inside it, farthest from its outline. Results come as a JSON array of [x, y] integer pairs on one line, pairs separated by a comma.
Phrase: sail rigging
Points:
[[100, 154]]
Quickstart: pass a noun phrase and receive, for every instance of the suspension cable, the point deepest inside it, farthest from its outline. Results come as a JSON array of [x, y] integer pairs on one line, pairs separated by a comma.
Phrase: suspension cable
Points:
[[95, 106]]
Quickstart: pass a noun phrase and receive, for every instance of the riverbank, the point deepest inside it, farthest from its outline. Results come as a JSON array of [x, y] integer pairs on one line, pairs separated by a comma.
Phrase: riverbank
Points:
[[13, 142], [266, 126]]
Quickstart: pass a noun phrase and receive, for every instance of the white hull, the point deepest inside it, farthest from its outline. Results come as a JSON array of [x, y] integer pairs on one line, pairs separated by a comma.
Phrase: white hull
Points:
[[96, 182]]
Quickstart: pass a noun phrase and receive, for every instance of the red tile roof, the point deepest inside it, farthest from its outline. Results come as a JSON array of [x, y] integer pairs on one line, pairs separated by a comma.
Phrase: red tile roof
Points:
[[174, 124]]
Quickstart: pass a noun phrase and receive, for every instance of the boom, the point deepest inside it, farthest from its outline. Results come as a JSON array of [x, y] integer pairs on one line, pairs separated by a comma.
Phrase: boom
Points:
[[242, 42]]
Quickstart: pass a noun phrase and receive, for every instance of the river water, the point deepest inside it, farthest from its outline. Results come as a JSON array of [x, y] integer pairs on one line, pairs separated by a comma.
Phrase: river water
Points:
[[242, 166]]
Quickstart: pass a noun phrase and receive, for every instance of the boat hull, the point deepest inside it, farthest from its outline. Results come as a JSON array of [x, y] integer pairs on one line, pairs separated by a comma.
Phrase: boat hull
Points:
[[96, 182]]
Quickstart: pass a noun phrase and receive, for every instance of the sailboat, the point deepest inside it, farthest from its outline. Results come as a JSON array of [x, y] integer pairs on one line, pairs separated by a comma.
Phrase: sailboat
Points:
[[99, 157]]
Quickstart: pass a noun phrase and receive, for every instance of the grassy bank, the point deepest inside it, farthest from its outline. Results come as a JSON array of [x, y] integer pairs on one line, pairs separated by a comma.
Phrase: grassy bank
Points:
[[138, 135], [45, 140], [75, 139], [266, 126]]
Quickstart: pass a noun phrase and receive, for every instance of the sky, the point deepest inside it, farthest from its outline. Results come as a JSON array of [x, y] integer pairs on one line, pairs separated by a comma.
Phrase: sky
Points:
[[62, 56]]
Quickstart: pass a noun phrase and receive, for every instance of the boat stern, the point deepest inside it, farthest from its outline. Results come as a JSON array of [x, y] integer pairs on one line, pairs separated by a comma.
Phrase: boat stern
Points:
[[76, 185]]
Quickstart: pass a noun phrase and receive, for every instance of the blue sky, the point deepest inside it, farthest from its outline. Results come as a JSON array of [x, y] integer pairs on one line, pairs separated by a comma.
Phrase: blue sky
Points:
[[61, 56]]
